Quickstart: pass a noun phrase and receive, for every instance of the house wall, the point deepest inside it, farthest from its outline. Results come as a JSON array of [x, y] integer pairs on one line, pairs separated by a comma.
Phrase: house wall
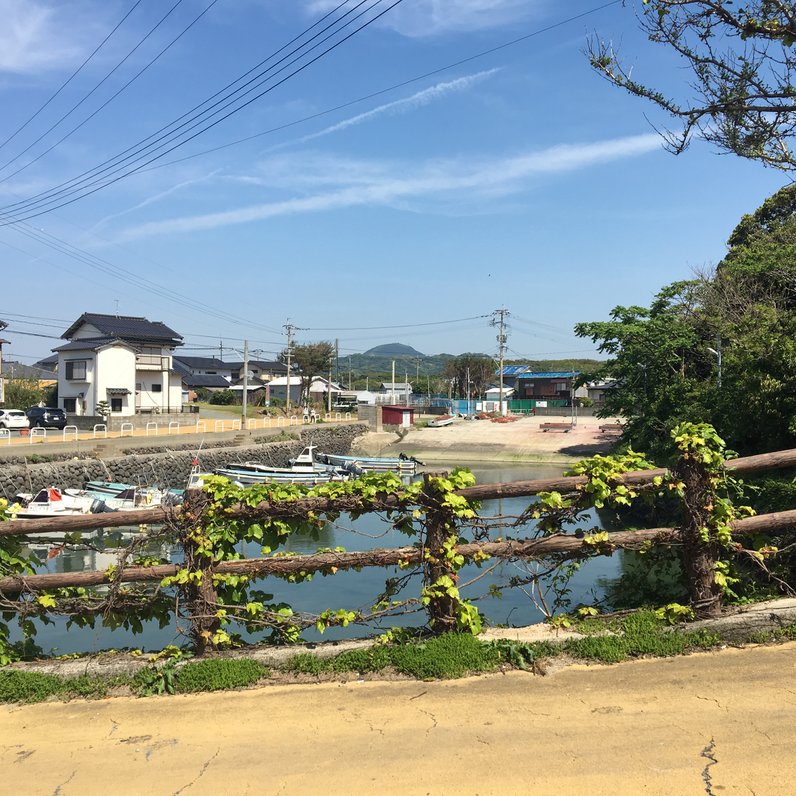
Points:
[[115, 368], [86, 331], [83, 391]]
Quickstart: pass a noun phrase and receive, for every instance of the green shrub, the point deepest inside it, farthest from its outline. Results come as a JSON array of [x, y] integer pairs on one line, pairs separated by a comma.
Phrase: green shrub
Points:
[[366, 660], [21, 686], [306, 663], [446, 656], [217, 674]]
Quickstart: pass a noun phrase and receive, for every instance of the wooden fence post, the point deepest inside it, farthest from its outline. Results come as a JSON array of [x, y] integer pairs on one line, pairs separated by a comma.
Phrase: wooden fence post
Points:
[[699, 557], [442, 616], [199, 594]]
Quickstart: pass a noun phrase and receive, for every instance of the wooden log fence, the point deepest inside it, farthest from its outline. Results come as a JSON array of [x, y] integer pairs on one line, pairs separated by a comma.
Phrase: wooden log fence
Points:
[[425, 554], [380, 557]]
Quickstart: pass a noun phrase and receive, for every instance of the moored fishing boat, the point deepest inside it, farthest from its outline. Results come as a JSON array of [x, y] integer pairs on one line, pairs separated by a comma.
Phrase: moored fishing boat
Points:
[[303, 470], [406, 465]]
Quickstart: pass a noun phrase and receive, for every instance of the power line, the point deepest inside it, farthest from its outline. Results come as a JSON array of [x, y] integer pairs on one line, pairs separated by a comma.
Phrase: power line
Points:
[[396, 326], [61, 193], [71, 77], [107, 101], [86, 96], [394, 87]]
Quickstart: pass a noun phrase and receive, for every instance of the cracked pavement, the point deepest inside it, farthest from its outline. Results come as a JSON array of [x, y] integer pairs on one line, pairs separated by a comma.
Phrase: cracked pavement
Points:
[[719, 722]]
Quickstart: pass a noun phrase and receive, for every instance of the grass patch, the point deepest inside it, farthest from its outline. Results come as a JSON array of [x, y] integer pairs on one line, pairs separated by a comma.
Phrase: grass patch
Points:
[[218, 674], [642, 634], [30, 687], [446, 656]]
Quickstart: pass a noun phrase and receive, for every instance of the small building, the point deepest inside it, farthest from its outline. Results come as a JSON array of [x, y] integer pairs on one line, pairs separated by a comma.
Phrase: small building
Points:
[[397, 415], [261, 370], [390, 392], [546, 386], [125, 361], [205, 366]]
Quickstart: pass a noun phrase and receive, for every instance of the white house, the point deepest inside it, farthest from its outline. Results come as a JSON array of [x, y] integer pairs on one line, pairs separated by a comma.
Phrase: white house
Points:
[[122, 360], [319, 389]]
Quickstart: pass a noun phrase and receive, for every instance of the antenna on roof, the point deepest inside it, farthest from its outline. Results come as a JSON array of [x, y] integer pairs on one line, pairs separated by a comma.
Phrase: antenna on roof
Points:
[[116, 301]]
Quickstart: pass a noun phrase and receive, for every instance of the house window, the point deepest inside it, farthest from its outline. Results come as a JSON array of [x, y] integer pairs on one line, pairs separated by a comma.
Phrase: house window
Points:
[[157, 388], [116, 404], [560, 386], [70, 405], [76, 369]]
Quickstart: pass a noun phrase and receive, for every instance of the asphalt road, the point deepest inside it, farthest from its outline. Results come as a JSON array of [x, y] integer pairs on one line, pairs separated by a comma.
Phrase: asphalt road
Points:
[[715, 723]]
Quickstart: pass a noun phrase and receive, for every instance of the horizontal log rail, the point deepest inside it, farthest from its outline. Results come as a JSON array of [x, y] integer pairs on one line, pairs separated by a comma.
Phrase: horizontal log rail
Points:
[[318, 562], [300, 508]]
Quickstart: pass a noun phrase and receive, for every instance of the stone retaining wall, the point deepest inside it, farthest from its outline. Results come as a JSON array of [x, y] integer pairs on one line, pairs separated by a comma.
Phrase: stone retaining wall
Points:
[[169, 468]]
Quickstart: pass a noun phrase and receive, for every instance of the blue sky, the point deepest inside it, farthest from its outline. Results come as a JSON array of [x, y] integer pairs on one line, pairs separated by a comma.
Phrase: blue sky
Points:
[[518, 180]]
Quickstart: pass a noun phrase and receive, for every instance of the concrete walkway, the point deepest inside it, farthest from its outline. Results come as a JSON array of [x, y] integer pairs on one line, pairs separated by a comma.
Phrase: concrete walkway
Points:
[[715, 723]]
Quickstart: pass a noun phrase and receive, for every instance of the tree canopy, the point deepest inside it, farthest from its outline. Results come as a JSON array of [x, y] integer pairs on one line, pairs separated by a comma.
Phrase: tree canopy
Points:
[[478, 369], [665, 358], [311, 359], [741, 60]]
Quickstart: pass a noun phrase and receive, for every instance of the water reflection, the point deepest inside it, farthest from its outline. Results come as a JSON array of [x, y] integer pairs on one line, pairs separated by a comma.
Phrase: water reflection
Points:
[[347, 589]]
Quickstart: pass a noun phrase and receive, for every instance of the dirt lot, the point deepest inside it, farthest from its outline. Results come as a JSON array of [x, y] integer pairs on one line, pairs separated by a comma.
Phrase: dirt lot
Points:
[[484, 440]]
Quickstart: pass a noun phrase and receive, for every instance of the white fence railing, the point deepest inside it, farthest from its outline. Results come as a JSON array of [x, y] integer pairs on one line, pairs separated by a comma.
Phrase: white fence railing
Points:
[[37, 433], [5, 434], [69, 431], [150, 426], [100, 428]]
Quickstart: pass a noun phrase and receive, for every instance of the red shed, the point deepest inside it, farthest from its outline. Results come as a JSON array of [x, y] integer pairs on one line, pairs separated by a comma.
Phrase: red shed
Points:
[[403, 416]]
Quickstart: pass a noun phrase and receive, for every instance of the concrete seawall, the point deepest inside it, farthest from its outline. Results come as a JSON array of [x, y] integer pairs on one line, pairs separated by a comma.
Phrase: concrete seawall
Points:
[[167, 467]]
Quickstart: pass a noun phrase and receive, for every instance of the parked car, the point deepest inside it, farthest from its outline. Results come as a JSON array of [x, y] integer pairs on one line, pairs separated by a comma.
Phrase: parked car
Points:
[[13, 418], [46, 417]]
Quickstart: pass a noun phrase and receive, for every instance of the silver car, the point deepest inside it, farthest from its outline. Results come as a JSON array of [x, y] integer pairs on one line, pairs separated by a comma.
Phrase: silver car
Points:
[[13, 418]]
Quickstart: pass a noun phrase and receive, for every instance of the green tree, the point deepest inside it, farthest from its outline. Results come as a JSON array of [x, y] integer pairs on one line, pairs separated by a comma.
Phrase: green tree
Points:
[[480, 370], [311, 359], [659, 360], [741, 62], [22, 393], [661, 356]]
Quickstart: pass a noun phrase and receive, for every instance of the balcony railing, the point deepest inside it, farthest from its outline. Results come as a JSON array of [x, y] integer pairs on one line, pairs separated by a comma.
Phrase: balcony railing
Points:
[[152, 362]]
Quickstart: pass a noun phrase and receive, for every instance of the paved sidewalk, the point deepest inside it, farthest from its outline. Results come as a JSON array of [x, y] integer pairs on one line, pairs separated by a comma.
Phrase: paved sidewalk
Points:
[[716, 723]]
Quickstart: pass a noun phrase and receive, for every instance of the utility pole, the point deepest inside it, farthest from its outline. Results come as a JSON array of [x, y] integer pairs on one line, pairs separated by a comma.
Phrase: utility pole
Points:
[[406, 386], [329, 388], [289, 328], [392, 385], [349, 372], [499, 320], [221, 350], [337, 359], [245, 404]]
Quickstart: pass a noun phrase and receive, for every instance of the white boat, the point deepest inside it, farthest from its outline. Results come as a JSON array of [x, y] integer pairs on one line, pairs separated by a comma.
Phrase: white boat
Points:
[[53, 502], [444, 420], [303, 470], [406, 465]]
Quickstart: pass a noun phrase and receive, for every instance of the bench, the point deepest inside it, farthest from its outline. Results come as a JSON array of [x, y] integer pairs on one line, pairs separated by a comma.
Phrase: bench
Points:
[[612, 428], [565, 427]]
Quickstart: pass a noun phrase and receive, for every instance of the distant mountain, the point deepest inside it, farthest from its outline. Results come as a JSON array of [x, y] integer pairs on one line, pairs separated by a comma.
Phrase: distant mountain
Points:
[[392, 350]]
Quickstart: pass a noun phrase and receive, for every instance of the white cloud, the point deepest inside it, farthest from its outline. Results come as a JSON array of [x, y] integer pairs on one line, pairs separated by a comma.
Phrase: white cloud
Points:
[[424, 18], [466, 180], [38, 35], [417, 100]]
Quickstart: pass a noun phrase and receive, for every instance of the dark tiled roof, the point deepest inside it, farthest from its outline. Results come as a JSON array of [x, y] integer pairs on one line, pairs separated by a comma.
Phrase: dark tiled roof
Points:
[[272, 366], [205, 381], [48, 363], [16, 370], [205, 362], [88, 344], [127, 327]]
